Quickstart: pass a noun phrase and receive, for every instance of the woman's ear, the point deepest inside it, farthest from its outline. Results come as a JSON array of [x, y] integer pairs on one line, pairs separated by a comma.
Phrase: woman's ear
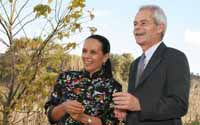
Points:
[[106, 57]]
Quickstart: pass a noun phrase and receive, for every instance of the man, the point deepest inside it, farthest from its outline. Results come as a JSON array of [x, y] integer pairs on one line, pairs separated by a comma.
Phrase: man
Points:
[[158, 87]]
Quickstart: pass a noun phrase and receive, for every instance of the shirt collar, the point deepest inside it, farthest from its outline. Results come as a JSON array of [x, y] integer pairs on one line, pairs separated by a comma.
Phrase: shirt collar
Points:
[[149, 53], [96, 74]]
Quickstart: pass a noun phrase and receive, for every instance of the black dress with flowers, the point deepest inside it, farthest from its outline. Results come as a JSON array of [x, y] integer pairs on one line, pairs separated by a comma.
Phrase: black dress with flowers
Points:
[[95, 94]]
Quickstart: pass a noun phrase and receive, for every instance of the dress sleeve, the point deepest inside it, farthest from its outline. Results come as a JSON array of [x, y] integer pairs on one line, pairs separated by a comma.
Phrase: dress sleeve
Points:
[[108, 117], [54, 99]]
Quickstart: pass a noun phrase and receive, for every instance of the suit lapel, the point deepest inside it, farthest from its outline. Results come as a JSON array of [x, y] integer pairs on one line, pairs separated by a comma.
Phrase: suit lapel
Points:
[[153, 63]]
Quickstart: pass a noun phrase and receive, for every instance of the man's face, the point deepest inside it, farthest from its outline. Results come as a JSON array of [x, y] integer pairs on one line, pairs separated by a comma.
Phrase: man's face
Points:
[[146, 31]]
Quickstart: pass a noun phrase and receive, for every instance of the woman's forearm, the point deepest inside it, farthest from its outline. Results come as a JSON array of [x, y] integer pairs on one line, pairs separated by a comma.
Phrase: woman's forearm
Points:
[[90, 120], [58, 112]]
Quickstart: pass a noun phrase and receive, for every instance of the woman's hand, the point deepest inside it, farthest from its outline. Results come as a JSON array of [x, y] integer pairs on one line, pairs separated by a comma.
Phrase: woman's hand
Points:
[[76, 117], [73, 107], [70, 107]]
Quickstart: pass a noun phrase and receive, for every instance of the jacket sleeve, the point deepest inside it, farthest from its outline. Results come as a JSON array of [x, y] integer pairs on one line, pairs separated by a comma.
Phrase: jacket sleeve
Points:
[[174, 103]]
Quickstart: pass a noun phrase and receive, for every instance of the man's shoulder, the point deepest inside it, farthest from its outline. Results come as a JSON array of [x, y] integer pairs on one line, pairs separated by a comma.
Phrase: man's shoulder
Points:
[[172, 52], [174, 56]]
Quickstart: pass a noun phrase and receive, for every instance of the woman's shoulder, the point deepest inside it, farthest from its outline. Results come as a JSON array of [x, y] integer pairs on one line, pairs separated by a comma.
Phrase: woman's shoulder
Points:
[[68, 76], [115, 83]]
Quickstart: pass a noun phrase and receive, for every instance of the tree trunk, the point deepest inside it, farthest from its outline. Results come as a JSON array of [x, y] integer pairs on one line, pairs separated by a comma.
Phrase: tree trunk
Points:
[[5, 118]]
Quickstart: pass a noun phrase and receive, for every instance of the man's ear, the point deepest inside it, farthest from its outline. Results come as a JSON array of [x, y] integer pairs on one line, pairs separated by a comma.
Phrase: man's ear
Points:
[[161, 28]]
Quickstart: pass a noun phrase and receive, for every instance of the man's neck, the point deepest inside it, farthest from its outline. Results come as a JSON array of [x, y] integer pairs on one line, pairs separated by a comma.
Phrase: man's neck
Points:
[[145, 48]]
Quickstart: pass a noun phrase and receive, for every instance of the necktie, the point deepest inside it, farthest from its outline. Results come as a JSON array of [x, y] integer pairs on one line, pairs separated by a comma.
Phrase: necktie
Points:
[[140, 69]]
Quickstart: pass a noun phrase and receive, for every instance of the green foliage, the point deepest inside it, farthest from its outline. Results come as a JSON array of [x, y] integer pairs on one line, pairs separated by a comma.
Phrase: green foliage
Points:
[[50, 1], [92, 29], [77, 4], [70, 45], [63, 34], [42, 10], [195, 123]]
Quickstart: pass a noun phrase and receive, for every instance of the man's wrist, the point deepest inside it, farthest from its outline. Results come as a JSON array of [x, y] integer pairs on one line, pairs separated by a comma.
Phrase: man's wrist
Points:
[[138, 105]]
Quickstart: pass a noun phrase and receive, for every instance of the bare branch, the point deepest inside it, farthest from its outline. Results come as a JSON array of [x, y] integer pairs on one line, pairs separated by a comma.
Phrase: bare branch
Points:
[[2, 31], [4, 42], [23, 26], [66, 12], [60, 5], [51, 23], [62, 19], [24, 86], [11, 14], [2, 19], [35, 57], [6, 30], [13, 76], [4, 9], [29, 14], [13, 10], [56, 11], [43, 29], [23, 6]]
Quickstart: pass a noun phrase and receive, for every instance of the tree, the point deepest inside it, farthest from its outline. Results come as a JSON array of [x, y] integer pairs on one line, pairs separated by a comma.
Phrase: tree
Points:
[[120, 66], [58, 20], [36, 92]]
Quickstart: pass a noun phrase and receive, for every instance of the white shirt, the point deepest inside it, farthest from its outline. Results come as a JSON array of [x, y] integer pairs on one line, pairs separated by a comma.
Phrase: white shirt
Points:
[[149, 53]]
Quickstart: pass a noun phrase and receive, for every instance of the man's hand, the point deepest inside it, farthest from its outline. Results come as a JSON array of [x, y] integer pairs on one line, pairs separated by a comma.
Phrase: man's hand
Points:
[[126, 101], [120, 114]]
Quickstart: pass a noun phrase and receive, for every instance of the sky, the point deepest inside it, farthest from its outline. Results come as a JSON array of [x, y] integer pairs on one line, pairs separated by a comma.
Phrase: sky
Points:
[[114, 20]]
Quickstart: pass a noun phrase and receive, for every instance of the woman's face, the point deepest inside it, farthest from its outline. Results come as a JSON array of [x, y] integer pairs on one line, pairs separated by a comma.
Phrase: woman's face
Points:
[[93, 56]]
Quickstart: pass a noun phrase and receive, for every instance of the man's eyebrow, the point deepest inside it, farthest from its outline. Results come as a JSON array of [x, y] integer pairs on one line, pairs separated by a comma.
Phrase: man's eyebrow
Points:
[[143, 20]]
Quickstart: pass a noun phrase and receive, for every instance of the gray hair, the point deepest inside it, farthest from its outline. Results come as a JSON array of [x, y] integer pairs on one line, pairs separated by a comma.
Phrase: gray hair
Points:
[[158, 15]]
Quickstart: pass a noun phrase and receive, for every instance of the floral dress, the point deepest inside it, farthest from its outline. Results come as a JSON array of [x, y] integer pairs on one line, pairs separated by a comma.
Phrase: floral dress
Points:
[[95, 94]]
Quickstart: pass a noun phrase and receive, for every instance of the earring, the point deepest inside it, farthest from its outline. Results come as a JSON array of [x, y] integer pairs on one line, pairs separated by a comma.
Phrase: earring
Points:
[[103, 65]]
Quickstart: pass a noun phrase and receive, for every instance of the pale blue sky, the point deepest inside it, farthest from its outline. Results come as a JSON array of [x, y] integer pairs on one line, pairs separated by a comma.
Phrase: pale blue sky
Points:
[[114, 20]]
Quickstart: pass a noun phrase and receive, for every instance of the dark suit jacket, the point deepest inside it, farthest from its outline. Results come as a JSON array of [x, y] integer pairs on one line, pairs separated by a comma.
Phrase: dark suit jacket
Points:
[[163, 88]]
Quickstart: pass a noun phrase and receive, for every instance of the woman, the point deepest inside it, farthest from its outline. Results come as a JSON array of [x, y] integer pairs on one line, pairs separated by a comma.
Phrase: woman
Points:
[[85, 97]]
